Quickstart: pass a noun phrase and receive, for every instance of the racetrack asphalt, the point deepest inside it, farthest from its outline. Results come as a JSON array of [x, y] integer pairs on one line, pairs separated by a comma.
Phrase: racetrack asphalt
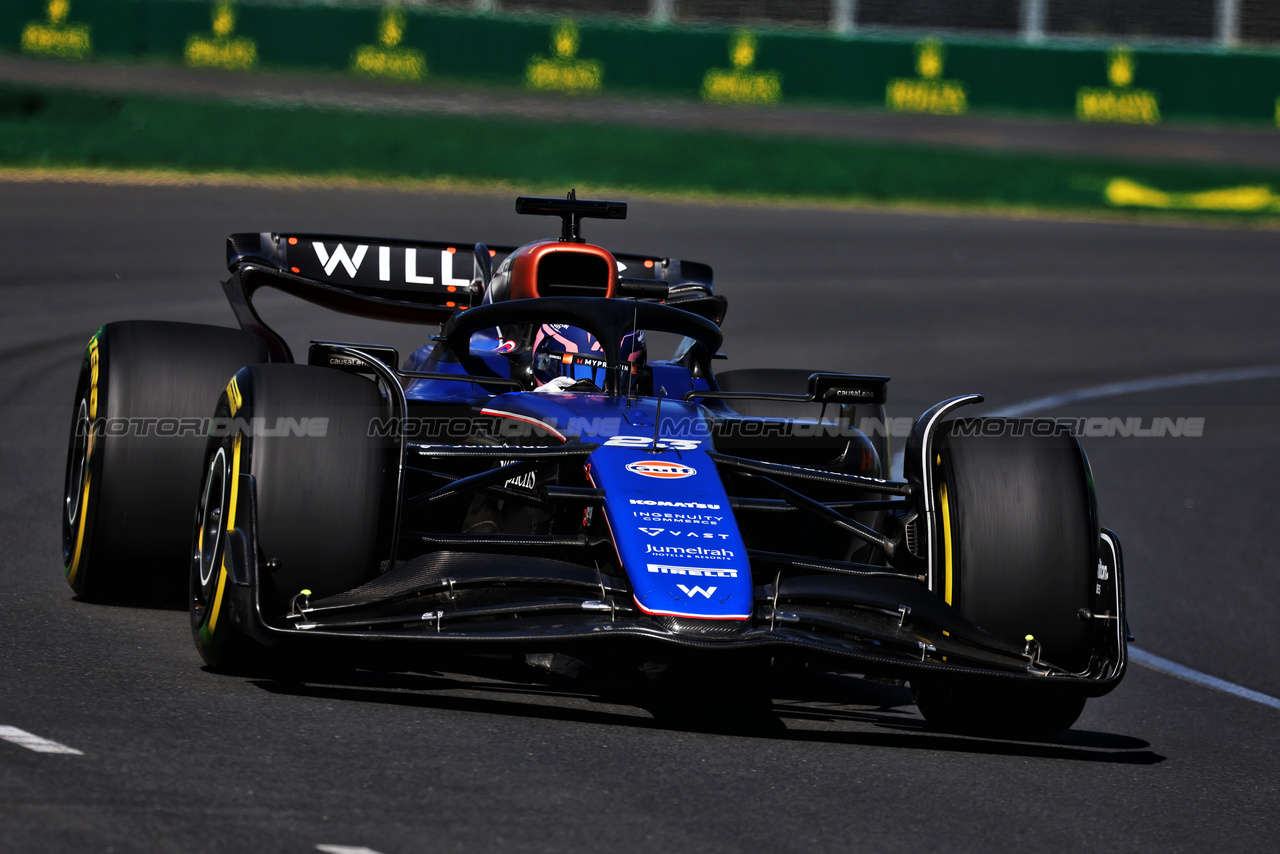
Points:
[[174, 758]]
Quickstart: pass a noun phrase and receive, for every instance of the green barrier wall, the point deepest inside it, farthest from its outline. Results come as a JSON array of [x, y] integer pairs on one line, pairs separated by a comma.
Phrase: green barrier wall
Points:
[[1111, 84]]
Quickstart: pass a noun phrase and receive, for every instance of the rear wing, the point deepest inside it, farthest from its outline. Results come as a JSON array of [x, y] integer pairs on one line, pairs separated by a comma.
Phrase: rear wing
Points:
[[413, 281], [423, 272]]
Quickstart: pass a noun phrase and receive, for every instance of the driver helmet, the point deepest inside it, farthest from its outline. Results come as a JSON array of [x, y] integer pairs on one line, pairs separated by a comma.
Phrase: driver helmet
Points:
[[560, 350]]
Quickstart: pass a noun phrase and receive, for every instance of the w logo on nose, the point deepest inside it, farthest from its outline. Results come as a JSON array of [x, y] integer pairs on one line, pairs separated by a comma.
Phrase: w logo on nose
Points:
[[689, 591]]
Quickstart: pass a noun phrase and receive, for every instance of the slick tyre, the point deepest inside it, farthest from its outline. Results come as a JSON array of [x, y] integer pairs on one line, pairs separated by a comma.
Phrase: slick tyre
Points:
[[298, 438], [1017, 553], [145, 391]]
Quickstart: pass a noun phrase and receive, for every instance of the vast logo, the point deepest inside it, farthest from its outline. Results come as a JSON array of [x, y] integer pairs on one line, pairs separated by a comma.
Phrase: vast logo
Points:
[[661, 469], [704, 535]]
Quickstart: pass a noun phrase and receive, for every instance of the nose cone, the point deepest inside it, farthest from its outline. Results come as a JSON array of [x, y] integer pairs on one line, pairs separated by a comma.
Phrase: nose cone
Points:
[[675, 533]]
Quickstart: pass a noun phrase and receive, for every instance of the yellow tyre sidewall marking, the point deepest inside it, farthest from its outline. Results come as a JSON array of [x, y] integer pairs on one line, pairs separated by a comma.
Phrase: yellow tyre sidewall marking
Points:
[[75, 560], [946, 543], [217, 599], [94, 360], [231, 525], [90, 443]]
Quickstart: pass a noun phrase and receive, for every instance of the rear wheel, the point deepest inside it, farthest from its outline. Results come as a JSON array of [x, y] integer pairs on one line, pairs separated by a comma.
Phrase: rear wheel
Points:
[[137, 440], [1018, 546], [319, 475]]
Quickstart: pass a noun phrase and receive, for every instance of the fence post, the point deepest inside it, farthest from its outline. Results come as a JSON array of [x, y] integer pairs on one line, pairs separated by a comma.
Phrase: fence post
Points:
[[844, 16], [662, 11], [1033, 20], [1227, 25]]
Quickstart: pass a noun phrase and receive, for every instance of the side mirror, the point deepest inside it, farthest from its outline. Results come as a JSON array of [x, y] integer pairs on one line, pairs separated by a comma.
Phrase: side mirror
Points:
[[643, 288]]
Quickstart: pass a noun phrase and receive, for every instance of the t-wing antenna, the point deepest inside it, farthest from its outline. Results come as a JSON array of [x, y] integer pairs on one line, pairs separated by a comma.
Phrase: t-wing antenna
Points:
[[571, 211]]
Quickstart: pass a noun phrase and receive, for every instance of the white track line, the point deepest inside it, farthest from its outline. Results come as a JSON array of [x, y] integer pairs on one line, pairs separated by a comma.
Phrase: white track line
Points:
[[1228, 375], [345, 849], [1053, 401], [22, 738], [1173, 668]]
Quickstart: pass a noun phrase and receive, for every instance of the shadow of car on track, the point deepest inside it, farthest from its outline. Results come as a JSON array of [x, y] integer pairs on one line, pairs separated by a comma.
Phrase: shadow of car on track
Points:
[[147, 600], [825, 709]]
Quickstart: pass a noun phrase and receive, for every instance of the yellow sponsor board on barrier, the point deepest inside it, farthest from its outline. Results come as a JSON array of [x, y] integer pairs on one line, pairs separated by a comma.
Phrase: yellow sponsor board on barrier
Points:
[[742, 84], [564, 71], [927, 93], [55, 37], [1122, 192], [388, 59], [222, 49], [1109, 105], [1118, 102]]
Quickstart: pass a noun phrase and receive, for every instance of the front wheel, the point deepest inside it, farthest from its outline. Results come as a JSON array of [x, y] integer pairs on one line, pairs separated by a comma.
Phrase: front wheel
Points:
[[1017, 551], [303, 439]]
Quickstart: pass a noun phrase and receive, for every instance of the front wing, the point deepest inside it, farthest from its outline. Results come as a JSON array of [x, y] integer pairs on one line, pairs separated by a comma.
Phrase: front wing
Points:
[[871, 623]]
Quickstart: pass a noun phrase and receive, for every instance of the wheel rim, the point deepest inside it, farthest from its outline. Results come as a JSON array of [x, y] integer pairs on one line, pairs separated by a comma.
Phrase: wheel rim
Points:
[[77, 469], [211, 530]]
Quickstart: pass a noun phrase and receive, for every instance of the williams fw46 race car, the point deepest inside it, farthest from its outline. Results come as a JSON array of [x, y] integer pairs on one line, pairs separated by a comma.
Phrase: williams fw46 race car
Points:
[[533, 481]]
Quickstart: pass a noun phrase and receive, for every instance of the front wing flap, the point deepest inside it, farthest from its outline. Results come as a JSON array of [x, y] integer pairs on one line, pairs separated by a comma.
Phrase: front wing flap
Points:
[[884, 626]]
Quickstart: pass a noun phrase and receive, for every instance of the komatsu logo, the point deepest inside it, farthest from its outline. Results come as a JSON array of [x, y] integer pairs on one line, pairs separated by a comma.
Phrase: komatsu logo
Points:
[[692, 505]]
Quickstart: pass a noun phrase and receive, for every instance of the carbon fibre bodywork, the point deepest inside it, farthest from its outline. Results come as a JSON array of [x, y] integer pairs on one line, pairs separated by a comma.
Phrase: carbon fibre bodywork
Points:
[[643, 515]]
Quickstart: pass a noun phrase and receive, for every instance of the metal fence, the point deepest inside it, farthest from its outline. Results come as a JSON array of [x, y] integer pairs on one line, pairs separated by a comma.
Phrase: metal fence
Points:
[[1224, 23]]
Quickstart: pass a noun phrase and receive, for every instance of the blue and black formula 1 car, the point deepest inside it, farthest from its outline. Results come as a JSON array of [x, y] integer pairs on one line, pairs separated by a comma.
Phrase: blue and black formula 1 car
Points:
[[533, 481]]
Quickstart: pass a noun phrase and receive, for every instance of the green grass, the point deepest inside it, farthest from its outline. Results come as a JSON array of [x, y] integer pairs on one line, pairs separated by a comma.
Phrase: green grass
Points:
[[62, 129]]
